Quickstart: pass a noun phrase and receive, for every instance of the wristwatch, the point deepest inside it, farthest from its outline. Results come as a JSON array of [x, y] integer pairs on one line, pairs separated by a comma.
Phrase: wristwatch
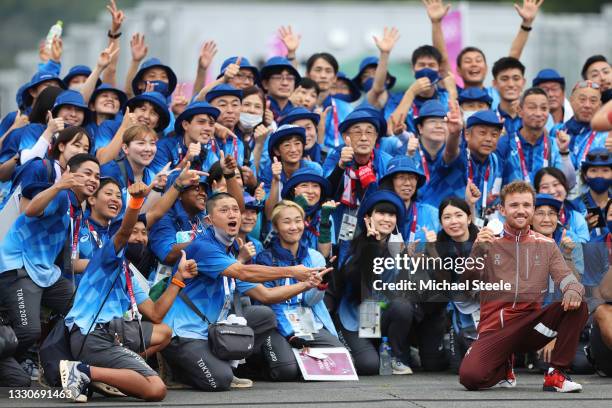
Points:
[[113, 36]]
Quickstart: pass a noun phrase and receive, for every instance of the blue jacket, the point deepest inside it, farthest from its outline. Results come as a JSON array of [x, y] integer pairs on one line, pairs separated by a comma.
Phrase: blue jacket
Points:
[[340, 109], [103, 133]]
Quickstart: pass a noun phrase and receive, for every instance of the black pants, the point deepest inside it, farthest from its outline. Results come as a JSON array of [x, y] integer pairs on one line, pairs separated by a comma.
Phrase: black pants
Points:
[[22, 299], [12, 375], [601, 354]]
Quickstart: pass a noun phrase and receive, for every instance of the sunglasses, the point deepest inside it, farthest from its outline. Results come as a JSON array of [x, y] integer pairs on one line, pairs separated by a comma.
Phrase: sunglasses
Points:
[[586, 84], [595, 156]]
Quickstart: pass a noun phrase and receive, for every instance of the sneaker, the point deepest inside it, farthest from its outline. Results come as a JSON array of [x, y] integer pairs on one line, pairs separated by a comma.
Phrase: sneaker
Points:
[[557, 381], [74, 381], [241, 383], [31, 369], [510, 380], [400, 368], [105, 389]]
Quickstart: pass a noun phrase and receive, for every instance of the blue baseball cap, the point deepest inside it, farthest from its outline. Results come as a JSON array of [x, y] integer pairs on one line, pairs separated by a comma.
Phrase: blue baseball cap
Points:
[[109, 88], [159, 104], [79, 70], [433, 75], [355, 93], [299, 113], [72, 98], [548, 75], [251, 203], [371, 62], [486, 118], [432, 108], [284, 132], [223, 90], [278, 63], [303, 175], [194, 108], [376, 112], [404, 164], [547, 199], [244, 64], [360, 116], [37, 79], [475, 94], [597, 157], [154, 63], [380, 196]]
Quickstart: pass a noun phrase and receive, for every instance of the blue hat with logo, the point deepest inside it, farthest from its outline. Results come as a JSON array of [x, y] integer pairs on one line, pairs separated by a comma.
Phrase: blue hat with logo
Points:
[[109, 88], [38, 78], [433, 75], [300, 113], [547, 199], [597, 157], [475, 94], [360, 116], [548, 75], [194, 108], [404, 164], [304, 175], [432, 108], [159, 104], [154, 63], [486, 118], [371, 62], [284, 132], [275, 64], [251, 203], [223, 90], [376, 112], [79, 70], [72, 98], [244, 64], [380, 196], [355, 93]]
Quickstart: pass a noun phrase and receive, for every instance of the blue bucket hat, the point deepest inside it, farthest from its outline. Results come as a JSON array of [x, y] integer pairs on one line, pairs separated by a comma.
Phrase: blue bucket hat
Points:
[[377, 197], [154, 63], [251, 203], [300, 113], [431, 109], [244, 64], [194, 108], [159, 104], [355, 93], [376, 112], [72, 98], [306, 174], [276, 63], [284, 132], [175, 175], [19, 96], [486, 118], [37, 79], [433, 75], [475, 94], [360, 116], [371, 62], [79, 70], [548, 75], [597, 157], [222, 90], [547, 199], [403, 164], [109, 88]]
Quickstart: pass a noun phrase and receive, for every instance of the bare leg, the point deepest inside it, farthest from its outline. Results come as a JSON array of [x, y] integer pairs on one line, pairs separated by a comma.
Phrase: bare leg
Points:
[[160, 338], [131, 383]]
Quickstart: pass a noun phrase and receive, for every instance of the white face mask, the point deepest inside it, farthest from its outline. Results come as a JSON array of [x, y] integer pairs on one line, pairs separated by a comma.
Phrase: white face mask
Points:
[[466, 115], [250, 120], [223, 237], [395, 244]]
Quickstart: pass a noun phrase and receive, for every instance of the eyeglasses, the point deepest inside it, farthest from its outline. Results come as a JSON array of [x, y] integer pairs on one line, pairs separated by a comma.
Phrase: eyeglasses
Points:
[[245, 77], [279, 77], [545, 214], [595, 156], [368, 133], [586, 84]]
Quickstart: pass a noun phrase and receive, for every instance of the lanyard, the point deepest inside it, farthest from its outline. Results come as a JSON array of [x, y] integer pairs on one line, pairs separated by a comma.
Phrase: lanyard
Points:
[[425, 165], [298, 296], [311, 228], [94, 234], [226, 287], [130, 289], [485, 189], [562, 216], [413, 225], [76, 227], [235, 148], [588, 145], [519, 147], [336, 121], [609, 247], [415, 111]]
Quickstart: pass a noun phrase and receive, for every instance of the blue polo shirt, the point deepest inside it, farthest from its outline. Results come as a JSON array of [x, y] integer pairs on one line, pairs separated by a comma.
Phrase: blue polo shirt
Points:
[[113, 169], [582, 139], [172, 149], [436, 184], [426, 216], [207, 290], [96, 283], [277, 111], [19, 139], [511, 125], [339, 111], [34, 243], [103, 133]]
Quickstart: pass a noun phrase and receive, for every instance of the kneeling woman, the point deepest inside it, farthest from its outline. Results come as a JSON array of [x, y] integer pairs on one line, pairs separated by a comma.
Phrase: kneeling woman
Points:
[[378, 216], [288, 249]]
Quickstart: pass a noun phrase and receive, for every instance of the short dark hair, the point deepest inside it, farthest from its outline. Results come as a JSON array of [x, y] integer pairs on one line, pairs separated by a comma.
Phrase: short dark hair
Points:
[[426, 51], [65, 136], [506, 63], [590, 61], [532, 91], [75, 161], [254, 90], [517, 187], [553, 172], [308, 83], [212, 200], [330, 59], [469, 49]]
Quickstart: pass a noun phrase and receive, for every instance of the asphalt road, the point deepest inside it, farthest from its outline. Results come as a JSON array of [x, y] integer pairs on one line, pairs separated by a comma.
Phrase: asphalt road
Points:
[[418, 390]]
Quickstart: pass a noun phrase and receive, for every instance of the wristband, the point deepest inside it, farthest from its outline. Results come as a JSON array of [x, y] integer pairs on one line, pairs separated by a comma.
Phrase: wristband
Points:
[[113, 36], [525, 28], [158, 189], [178, 283], [229, 176], [564, 153], [323, 286], [135, 203], [610, 117], [180, 189]]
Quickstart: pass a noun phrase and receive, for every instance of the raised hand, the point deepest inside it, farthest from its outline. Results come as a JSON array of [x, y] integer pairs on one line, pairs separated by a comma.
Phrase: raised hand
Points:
[[346, 154], [413, 144], [179, 100], [260, 134], [566, 244], [138, 47], [57, 48], [223, 132], [54, 124], [430, 236], [529, 10], [43, 53], [161, 178], [563, 141], [291, 40], [304, 273], [472, 193], [117, 16], [228, 163], [247, 251], [268, 117], [70, 180], [485, 237], [420, 86], [20, 120], [260, 193], [232, 70], [207, 53], [107, 55], [371, 229], [187, 268], [129, 119], [454, 119], [390, 37], [277, 169], [189, 178], [248, 175], [436, 10]]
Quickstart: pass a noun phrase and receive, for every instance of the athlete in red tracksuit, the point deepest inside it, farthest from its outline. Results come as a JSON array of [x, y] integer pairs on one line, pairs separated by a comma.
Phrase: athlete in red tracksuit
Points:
[[512, 320]]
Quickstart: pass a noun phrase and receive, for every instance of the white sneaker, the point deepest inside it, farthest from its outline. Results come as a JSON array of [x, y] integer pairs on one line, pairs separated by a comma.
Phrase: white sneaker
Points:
[[557, 381], [241, 383], [74, 381], [510, 380], [400, 368]]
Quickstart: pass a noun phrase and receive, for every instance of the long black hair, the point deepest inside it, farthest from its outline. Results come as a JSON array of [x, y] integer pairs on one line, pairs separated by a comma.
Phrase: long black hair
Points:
[[43, 104], [65, 136], [463, 206]]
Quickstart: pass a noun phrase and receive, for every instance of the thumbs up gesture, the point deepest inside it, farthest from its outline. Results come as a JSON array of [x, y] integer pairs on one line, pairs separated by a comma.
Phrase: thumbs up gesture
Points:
[[232, 70], [247, 251], [187, 268], [346, 154], [430, 236], [277, 169], [413, 145], [54, 124], [563, 141], [567, 244]]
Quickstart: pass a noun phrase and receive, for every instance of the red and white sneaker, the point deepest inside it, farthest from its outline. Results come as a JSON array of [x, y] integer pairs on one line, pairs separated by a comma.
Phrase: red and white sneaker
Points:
[[557, 381], [510, 380]]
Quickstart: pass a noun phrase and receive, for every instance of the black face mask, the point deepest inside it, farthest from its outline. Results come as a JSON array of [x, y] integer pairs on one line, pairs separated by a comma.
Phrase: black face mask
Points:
[[141, 257]]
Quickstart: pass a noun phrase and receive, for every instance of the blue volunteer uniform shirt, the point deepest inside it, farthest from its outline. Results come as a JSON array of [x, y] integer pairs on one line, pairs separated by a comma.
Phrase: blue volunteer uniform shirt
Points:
[[582, 139], [265, 175], [19, 139], [235, 147], [426, 216], [206, 290], [172, 149], [36, 172], [96, 283], [511, 125], [413, 113], [429, 164], [338, 112], [114, 170], [103, 133], [575, 223], [34, 243], [277, 111]]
